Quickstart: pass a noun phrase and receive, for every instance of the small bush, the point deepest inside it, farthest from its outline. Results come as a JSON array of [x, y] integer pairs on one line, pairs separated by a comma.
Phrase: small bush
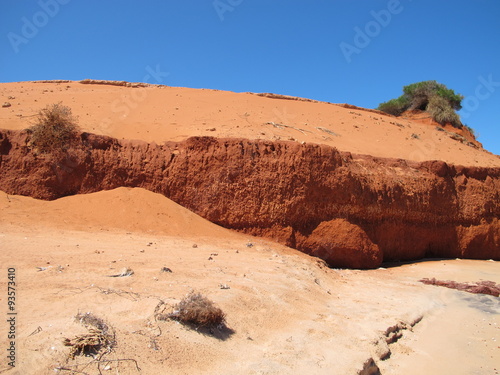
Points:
[[441, 111], [430, 96], [420, 93], [394, 106], [55, 129], [471, 130], [196, 309]]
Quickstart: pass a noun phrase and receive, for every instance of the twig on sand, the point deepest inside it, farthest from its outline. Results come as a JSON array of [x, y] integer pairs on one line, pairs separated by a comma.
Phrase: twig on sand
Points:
[[43, 268], [124, 273], [282, 126], [327, 131], [98, 362], [38, 330], [73, 371], [122, 293]]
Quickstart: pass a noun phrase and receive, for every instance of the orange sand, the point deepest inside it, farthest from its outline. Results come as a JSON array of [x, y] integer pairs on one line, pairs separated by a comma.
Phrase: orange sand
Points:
[[158, 114]]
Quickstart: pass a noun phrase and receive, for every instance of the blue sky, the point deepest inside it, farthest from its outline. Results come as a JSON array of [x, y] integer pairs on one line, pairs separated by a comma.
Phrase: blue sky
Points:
[[358, 52]]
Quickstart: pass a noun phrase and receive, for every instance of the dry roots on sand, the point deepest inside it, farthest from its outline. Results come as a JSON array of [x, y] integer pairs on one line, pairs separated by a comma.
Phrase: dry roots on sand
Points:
[[100, 338]]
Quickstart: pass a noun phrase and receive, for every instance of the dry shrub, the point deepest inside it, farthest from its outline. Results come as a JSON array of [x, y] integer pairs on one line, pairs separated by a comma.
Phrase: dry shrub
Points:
[[101, 338], [441, 112], [196, 309], [88, 344], [54, 130]]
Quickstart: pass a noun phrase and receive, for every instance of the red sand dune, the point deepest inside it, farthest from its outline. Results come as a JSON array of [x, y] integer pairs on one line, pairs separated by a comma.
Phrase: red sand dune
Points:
[[162, 113], [288, 312]]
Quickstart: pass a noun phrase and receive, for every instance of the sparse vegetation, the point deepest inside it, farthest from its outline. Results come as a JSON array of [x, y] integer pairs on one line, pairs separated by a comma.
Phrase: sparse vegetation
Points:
[[441, 112], [197, 310], [420, 93], [430, 96], [394, 106], [100, 338], [472, 131], [55, 129]]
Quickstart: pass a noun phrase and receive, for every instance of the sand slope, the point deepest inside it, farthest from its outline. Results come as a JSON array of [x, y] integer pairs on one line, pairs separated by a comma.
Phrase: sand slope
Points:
[[158, 114], [132, 210]]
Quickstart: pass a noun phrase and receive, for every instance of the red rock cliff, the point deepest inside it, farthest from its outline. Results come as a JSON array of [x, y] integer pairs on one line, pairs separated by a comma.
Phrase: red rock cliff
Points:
[[351, 210]]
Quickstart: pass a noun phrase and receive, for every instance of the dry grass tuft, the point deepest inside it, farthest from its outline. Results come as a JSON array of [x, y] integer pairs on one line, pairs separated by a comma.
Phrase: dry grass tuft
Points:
[[88, 344], [197, 310], [101, 338]]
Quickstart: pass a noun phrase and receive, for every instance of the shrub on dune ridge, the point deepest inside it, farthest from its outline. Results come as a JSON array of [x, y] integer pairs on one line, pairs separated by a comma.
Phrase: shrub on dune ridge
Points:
[[430, 96], [420, 93], [394, 106], [54, 130], [441, 112]]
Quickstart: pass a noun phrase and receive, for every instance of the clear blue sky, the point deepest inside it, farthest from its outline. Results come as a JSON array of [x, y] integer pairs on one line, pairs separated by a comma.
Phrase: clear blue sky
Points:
[[307, 48]]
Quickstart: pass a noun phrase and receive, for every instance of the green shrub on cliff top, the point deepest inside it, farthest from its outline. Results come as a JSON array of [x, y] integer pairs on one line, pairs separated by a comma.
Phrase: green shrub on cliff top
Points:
[[394, 106], [55, 129], [430, 96], [441, 112]]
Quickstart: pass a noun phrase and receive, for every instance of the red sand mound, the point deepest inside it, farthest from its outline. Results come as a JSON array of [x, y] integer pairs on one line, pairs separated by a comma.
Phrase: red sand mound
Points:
[[118, 208]]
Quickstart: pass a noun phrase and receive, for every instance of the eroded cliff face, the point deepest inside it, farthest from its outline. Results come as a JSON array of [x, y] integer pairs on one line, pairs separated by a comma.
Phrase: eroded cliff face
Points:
[[351, 210]]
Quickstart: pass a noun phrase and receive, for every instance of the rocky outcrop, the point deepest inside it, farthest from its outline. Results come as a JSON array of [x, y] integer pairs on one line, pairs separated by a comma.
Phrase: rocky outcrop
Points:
[[389, 209], [344, 244]]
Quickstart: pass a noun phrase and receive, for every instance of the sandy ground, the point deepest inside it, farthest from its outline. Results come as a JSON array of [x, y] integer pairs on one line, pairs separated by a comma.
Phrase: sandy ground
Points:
[[287, 313], [159, 114]]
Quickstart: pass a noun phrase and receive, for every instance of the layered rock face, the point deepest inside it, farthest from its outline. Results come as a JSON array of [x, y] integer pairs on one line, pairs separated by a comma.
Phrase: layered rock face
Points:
[[351, 210]]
